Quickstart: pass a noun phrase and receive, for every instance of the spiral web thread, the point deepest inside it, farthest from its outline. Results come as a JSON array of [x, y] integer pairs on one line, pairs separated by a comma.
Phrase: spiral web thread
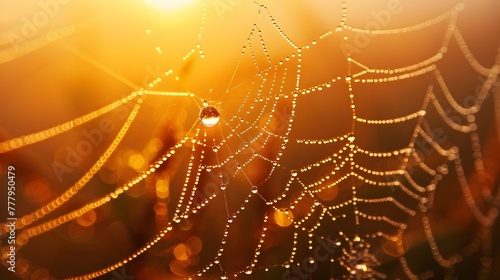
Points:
[[259, 132]]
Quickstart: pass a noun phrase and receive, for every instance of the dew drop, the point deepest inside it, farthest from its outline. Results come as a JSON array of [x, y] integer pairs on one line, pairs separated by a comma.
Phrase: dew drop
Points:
[[255, 189], [209, 116], [248, 270], [223, 186], [351, 137]]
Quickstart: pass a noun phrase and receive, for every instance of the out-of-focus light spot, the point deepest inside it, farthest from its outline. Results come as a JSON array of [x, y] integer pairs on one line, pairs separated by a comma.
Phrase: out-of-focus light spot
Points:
[[194, 260], [361, 267], [283, 217], [40, 273], [303, 207], [137, 191], [148, 272], [102, 213], [136, 161], [186, 224], [162, 188], [329, 193], [398, 246], [114, 163], [80, 234], [87, 219], [38, 192], [160, 208], [22, 266], [194, 245], [169, 4], [109, 176], [181, 252], [152, 148], [179, 267]]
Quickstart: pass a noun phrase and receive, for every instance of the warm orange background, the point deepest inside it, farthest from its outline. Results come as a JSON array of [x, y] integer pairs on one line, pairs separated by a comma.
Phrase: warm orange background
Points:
[[107, 49]]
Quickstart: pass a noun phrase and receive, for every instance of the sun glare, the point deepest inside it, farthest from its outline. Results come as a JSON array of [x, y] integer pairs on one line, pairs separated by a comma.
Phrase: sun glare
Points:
[[169, 4]]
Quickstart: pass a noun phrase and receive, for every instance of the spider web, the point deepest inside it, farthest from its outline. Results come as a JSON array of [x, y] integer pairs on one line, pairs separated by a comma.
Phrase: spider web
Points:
[[328, 160]]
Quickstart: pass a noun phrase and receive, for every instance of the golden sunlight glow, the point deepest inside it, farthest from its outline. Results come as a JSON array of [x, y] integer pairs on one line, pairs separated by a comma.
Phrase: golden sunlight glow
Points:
[[87, 219], [180, 252], [136, 161], [283, 217], [162, 188], [329, 193], [326, 139], [169, 4]]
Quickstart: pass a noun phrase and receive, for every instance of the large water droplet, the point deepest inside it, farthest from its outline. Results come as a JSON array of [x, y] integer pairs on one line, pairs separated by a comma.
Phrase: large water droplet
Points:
[[255, 189], [209, 116], [351, 137]]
